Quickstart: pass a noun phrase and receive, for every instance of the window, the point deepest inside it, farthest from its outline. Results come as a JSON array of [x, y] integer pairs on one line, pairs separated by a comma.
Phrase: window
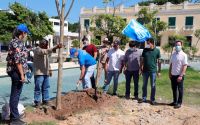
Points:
[[65, 24], [86, 23], [56, 23], [189, 22], [172, 22]]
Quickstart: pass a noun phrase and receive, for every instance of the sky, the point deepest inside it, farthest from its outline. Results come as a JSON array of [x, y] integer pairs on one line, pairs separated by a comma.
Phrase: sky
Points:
[[50, 8]]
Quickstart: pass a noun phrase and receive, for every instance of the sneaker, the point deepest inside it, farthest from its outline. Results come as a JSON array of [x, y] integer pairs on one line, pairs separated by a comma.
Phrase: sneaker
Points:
[[153, 103], [142, 101], [46, 103], [177, 106], [17, 122]]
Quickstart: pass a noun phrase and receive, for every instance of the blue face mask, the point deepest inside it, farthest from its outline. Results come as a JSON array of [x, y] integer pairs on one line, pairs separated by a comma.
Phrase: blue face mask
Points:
[[178, 48]]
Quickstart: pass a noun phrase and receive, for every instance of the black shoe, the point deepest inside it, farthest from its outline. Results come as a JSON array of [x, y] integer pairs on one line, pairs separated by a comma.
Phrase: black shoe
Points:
[[127, 97], [17, 122], [177, 106], [136, 98], [114, 94], [153, 103], [172, 104], [142, 101], [37, 105]]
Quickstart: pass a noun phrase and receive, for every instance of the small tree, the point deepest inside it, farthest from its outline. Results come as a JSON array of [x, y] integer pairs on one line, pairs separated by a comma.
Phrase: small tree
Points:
[[149, 20], [62, 16]]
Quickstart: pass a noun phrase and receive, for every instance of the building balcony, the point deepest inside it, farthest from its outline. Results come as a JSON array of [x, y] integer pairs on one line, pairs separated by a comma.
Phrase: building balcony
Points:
[[171, 27], [189, 27]]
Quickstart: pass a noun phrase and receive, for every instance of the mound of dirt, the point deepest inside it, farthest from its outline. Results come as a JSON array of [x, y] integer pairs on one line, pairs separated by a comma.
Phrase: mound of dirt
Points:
[[80, 101], [84, 108]]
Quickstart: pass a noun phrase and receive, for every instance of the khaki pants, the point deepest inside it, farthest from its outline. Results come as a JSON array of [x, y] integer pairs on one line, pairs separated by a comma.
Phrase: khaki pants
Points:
[[101, 66]]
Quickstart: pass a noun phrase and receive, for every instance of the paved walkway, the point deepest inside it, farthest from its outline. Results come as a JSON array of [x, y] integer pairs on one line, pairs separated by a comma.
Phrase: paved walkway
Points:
[[54, 66]]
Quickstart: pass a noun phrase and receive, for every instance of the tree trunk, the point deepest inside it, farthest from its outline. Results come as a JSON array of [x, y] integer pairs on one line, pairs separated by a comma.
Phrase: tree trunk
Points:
[[60, 63]]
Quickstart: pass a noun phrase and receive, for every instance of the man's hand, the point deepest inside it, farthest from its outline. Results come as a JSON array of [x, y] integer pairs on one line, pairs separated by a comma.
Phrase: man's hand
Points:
[[78, 82], [22, 79], [170, 75], [179, 79], [59, 45]]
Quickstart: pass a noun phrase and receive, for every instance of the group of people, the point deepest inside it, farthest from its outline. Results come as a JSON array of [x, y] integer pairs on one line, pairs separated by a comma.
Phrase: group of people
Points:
[[109, 58], [132, 63]]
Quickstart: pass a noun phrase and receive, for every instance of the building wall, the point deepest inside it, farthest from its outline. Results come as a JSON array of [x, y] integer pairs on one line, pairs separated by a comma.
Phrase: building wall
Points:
[[180, 11]]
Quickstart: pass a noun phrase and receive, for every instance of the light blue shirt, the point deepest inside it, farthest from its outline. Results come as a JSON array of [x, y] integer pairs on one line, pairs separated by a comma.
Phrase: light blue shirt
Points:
[[85, 59]]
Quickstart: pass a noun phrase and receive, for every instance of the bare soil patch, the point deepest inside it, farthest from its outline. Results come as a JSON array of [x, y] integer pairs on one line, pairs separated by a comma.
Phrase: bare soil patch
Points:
[[82, 108]]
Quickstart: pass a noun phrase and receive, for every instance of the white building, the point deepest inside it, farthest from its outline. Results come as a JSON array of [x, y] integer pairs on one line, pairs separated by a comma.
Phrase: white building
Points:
[[68, 36]]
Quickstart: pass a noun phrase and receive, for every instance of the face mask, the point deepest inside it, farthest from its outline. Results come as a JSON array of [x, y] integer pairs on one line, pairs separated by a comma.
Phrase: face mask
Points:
[[147, 46], [178, 48]]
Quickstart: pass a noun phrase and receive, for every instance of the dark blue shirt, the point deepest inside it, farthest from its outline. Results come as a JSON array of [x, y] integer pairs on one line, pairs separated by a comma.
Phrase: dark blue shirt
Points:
[[85, 59]]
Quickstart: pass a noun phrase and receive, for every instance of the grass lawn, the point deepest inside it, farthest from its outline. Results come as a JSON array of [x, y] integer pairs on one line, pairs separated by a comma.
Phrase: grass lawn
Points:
[[163, 88]]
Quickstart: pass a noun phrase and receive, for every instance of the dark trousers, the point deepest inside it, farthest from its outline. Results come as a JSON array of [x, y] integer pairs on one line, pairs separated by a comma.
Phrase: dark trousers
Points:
[[129, 75], [93, 81], [177, 90], [16, 89]]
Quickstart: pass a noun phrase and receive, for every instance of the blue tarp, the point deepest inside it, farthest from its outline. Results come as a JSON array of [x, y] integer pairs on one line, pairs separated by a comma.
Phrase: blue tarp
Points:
[[136, 31]]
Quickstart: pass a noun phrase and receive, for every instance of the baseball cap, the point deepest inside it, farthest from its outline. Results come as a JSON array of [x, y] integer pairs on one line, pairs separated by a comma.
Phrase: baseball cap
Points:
[[23, 28], [72, 52]]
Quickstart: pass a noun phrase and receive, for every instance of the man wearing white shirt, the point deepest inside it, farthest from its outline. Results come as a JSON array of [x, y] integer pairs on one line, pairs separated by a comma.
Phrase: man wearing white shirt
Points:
[[178, 66], [115, 65]]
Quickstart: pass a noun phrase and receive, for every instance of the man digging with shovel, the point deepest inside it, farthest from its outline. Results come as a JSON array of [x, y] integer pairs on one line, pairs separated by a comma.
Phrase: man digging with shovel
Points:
[[87, 67]]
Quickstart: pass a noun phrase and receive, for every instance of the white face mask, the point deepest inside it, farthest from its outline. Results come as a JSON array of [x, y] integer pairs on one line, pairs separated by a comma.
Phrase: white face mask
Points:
[[147, 46], [178, 48]]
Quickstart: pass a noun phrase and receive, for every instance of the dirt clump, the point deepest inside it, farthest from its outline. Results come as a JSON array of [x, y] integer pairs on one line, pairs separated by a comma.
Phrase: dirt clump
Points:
[[80, 101]]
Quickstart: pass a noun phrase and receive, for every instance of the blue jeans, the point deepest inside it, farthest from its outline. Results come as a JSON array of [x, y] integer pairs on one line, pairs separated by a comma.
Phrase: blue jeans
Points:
[[146, 76], [88, 74], [41, 87], [16, 89], [129, 75], [111, 74], [29, 74]]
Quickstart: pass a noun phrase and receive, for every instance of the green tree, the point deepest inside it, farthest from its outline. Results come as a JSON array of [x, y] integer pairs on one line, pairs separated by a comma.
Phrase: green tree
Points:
[[96, 41], [197, 34], [38, 23], [149, 20], [76, 43], [73, 27], [109, 25]]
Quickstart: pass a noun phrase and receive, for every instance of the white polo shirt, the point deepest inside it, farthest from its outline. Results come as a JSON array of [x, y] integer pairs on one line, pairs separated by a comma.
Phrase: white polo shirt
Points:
[[115, 59], [178, 60]]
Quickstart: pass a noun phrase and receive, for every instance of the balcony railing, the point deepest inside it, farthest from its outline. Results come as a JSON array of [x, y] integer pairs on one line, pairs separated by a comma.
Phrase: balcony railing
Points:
[[172, 27], [189, 27]]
